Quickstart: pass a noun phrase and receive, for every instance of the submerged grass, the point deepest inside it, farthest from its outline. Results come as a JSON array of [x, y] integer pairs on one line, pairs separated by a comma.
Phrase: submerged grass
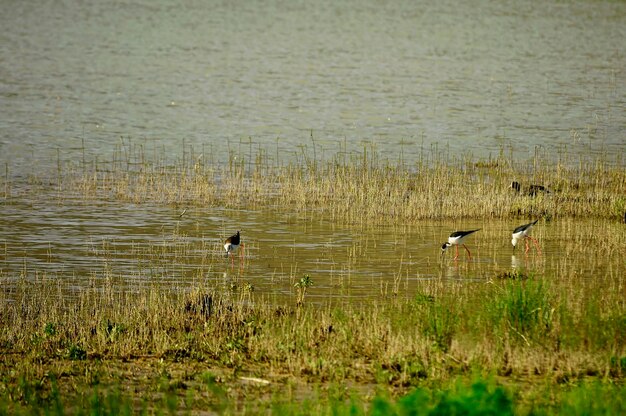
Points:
[[513, 345]]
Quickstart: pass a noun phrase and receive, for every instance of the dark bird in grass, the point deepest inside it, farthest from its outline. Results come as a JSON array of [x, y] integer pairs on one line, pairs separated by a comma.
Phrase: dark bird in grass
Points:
[[532, 190]]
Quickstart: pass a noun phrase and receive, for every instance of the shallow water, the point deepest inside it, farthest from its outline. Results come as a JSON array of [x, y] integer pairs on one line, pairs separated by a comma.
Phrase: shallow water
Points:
[[471, 76], [138, 245]]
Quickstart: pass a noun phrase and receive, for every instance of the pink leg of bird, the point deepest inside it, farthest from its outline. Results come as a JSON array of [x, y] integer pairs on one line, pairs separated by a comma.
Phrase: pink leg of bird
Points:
[[456, 252], [536, 243], [242, 256], [468, 252], [527, 246]]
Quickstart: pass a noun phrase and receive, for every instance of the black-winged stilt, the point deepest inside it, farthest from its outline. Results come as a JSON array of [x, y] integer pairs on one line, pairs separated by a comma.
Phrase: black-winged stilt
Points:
[[232, 244], [456, 239], [523, 232]]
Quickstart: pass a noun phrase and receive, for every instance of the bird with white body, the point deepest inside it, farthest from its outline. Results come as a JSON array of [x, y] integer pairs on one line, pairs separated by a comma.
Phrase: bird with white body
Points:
[[457, 238], [523, 233]]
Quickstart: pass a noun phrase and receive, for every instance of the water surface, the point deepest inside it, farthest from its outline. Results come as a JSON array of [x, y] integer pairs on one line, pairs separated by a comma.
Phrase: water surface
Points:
[[84, 244], [471, 76]]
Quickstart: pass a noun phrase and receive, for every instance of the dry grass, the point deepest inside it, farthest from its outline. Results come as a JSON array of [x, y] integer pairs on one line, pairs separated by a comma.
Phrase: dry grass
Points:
[[362, 188], [512, 327], [527, 332]]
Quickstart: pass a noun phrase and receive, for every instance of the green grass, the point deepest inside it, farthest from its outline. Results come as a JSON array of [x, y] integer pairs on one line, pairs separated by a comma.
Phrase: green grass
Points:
[[524, 308], [459, 397], [503, 345]]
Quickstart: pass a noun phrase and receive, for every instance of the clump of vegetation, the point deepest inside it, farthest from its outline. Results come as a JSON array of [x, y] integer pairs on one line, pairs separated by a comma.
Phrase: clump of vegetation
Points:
[[512, 274], [524, 309], [301, 286]]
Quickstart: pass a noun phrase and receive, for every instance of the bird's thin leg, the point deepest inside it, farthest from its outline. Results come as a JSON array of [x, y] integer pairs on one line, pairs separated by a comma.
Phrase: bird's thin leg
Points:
[[468, 252], [536, 243], [456, 252], [527, 246]]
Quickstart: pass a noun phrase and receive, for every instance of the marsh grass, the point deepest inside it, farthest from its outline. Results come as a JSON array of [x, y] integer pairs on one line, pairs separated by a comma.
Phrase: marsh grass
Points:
[[163, 341], [526, 309], [358, 187]]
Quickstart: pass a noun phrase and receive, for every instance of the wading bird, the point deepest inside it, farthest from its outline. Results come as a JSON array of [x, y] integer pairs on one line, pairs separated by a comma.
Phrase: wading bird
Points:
[[456, 239], [523, 232], [231, 245]]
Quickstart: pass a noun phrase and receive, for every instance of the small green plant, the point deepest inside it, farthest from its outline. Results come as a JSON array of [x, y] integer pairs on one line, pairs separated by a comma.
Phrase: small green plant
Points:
[[76, 352], [114, 330], [49, 330], [236, 344], [617, 365], [439, 323], [301, 286]]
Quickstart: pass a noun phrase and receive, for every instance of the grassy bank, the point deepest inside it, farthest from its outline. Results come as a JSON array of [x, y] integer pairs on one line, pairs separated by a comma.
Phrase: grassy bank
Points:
[[355, 188], [515, 342]]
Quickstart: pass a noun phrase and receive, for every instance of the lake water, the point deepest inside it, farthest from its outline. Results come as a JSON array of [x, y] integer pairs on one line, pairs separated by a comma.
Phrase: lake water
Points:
[[465, 77], [84, 244]]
